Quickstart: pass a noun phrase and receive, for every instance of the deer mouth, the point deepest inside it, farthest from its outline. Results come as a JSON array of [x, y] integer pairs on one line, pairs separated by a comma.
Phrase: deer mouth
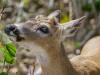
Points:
[[13, 33]]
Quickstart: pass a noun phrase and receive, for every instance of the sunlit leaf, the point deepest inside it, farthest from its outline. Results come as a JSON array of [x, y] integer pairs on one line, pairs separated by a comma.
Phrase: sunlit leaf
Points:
[[11, 49], [26, 3], [8, 58], [64, 18]]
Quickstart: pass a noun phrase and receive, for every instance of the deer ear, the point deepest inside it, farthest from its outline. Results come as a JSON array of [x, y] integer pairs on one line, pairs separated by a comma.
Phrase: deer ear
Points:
[[69, 28], [54, 17], [73, 22]]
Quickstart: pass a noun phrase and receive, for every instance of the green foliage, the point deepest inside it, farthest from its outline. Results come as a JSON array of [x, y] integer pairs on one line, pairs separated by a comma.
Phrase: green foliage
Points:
[[88, 6], [9, 58], [64, 18], [9, 51], [3, 73], [26, 3], [77, 44]]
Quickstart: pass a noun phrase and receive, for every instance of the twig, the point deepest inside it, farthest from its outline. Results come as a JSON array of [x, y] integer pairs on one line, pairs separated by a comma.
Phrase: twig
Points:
[[2, 12]]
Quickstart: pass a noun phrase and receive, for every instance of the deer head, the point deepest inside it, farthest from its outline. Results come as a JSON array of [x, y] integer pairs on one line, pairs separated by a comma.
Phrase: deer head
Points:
[[43, 27]]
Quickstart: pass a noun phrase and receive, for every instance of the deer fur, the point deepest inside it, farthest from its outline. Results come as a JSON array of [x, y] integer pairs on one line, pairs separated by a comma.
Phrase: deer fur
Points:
[[49, 50]]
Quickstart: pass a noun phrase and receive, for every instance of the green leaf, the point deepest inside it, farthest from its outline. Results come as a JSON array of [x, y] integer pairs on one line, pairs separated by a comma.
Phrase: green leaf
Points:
[[9, 52], [11, 49], [64, 18], [8, 58], [97, 5], [26, 3]]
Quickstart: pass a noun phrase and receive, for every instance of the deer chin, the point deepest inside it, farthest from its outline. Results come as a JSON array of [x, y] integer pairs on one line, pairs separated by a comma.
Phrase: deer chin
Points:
[[19, 38]]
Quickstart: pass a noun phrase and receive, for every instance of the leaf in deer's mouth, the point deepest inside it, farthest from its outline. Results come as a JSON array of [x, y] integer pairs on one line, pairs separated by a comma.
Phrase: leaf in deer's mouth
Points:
[[17, 35]]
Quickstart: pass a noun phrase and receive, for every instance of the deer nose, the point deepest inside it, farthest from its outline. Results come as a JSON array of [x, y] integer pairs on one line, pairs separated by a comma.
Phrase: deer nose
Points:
[[11, 29]]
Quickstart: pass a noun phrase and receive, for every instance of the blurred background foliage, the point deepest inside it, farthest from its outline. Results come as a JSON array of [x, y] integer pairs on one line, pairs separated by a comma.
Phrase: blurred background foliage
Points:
[[21, 10]]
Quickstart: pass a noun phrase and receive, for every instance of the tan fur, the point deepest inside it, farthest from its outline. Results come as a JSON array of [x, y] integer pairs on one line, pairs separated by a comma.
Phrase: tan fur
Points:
[[88, 62]]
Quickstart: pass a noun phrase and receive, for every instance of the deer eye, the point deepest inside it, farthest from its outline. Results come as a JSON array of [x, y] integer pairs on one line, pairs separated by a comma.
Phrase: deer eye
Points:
[[44, 29]]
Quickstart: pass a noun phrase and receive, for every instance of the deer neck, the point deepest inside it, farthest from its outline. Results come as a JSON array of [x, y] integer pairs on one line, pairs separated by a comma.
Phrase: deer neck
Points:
[[58, 63]]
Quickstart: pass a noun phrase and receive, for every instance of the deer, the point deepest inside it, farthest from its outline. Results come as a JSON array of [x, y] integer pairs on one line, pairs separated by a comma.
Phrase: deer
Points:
[[42, 39]]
